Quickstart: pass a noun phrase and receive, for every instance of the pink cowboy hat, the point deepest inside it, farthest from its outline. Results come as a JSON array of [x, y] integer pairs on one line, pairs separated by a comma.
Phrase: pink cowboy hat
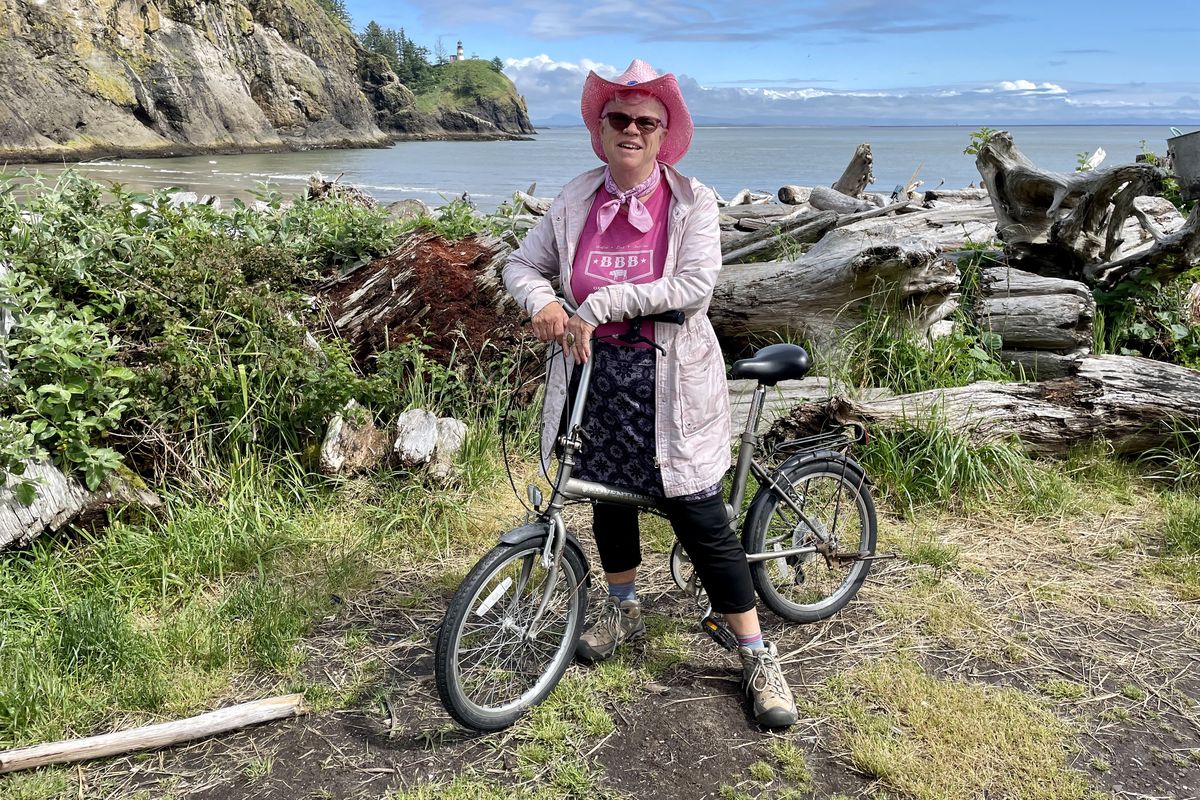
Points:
[[640, 76]]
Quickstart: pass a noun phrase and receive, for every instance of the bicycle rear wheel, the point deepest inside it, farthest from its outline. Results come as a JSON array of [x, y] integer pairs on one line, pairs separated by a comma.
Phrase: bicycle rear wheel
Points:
[[838, 513], [490, 667]]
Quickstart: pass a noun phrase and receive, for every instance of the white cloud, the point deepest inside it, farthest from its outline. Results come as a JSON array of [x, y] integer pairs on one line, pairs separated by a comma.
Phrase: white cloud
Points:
[[714, 20], [552, 88], [1029, 87]]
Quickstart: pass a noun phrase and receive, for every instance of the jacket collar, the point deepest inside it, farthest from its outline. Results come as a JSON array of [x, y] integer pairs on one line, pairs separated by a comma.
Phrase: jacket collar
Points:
[[583, 188]]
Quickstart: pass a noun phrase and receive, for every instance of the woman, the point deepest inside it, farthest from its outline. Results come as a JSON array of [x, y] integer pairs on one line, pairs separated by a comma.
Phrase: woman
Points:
[[624, 240]]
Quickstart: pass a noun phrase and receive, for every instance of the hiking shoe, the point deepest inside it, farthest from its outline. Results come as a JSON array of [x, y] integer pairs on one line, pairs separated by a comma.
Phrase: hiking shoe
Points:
[[620, 621], [774, 706]]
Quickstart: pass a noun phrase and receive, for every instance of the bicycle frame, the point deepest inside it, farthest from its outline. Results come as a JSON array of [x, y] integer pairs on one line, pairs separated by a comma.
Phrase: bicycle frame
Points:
[[566, 488]]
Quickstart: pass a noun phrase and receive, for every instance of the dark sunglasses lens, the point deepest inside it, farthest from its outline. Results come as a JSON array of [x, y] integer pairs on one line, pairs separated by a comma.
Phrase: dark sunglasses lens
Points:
[[620, 122]]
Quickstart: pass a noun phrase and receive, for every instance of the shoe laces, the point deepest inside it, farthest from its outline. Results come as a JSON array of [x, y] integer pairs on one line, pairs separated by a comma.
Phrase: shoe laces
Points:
[[767, 665], [610, 617]]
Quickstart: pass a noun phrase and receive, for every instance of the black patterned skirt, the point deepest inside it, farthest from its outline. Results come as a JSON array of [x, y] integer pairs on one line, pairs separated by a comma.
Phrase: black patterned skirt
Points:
[[618, 424]]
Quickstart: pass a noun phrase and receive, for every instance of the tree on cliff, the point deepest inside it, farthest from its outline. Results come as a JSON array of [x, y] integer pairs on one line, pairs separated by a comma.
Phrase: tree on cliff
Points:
[[407, 59], [338, 11]]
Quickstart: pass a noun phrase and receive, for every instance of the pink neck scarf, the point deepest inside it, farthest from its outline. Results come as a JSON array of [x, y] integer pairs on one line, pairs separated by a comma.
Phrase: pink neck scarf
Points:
[[639, 217]]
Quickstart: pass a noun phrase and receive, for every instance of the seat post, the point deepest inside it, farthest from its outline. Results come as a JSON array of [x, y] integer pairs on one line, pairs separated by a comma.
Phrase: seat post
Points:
[[746, 449], [756, 407]]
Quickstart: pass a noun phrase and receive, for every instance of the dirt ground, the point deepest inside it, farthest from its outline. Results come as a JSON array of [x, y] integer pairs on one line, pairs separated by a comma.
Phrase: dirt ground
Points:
[[1056, 611]]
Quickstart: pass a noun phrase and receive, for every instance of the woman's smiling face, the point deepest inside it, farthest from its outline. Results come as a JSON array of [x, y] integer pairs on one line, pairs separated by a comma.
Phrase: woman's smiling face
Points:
[[630, 152]]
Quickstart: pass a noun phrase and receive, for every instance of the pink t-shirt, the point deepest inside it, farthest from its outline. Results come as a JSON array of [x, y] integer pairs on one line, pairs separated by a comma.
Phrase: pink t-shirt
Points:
[[622, 254]]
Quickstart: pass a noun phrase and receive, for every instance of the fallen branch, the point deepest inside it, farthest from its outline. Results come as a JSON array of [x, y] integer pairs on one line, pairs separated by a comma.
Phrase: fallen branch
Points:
[[803, 229], [150, 737]]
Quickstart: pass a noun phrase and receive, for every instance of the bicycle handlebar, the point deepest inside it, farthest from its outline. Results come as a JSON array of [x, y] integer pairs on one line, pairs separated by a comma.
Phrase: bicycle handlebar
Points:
[[674, 316], [634, 334]]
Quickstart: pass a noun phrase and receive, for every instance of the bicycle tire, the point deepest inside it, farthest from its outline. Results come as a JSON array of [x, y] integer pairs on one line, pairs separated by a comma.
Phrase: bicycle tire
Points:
[[500, 600], [833, 492]]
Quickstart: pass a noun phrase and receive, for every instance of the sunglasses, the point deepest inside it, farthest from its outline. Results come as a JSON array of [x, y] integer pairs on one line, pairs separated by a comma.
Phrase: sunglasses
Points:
[[619, 122]]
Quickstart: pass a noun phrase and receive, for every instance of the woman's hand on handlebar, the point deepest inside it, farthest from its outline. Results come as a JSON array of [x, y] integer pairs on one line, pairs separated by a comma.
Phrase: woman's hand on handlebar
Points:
[[550, 323], [578, 339]]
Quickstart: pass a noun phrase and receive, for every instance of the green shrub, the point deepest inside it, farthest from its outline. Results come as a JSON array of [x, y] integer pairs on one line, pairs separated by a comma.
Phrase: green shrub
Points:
[[453, 221], [1147, 317], [160, 329]]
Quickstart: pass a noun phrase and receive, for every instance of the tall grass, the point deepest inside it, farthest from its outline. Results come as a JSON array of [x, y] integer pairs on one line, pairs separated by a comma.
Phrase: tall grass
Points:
[[156, 617], [924, 462], [883, 351], [160, 616]]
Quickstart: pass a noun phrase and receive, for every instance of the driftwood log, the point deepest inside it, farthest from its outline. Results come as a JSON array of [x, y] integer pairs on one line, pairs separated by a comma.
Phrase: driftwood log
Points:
[[827, 199], [857, 174], [537, 206], [794, 195], [830, 288], [745, 197], [151, 737], [1134, 403], [937, 197], [1045, 324], [1077, 226], [948, 227]]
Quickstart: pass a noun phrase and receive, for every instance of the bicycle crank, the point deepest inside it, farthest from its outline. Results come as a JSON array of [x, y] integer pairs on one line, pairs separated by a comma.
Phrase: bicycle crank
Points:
[[716, 627]]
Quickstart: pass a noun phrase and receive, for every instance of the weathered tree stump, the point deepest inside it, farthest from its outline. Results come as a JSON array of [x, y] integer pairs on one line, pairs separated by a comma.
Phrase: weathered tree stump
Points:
[[857, 175], [353, 444], [61, 501], [1074, 226], [447, 294]]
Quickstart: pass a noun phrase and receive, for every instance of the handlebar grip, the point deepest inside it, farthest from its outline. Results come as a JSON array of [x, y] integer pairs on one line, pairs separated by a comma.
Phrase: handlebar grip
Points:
[[674, 316]]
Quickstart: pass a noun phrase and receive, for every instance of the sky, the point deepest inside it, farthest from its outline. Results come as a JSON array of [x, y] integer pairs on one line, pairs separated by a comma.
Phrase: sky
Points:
[[829, 62]]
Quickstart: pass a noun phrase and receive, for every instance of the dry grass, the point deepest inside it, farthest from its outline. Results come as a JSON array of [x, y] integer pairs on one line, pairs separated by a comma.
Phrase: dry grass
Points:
[[934, 739]]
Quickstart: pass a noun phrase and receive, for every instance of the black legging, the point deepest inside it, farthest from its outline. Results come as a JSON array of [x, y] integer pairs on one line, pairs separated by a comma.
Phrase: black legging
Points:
[[703, 528]]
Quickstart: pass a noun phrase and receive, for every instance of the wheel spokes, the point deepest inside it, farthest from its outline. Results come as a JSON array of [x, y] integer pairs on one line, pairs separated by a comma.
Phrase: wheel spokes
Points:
[[498, 660]]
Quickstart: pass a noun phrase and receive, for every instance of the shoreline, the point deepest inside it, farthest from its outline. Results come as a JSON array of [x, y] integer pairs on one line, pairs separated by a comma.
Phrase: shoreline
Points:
[[83, 155]]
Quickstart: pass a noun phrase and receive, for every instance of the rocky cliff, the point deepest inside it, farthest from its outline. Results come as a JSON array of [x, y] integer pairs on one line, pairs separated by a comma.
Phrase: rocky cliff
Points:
[[86, 78]]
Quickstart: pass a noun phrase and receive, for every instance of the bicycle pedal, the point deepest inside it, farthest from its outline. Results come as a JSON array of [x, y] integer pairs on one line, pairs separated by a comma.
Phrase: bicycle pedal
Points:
[[719, 631]]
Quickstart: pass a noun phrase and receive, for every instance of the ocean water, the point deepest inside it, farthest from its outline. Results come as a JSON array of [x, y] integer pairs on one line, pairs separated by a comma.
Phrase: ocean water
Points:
[[727, 158]]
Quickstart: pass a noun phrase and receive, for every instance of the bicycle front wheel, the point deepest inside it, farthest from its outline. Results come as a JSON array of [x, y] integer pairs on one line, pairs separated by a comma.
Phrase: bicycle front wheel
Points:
[[492, 662], [836, 515]]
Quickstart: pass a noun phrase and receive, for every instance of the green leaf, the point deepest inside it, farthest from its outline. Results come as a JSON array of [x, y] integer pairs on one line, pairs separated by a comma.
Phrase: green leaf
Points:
[[119, 373], [26, 493]]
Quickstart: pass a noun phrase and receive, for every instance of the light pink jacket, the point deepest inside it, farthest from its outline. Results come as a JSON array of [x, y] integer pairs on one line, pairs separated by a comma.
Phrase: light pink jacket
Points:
[[692, 428]]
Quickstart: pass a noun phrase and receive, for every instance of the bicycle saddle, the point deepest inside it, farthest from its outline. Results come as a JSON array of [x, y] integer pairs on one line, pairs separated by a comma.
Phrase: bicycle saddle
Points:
[[773, 363]]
